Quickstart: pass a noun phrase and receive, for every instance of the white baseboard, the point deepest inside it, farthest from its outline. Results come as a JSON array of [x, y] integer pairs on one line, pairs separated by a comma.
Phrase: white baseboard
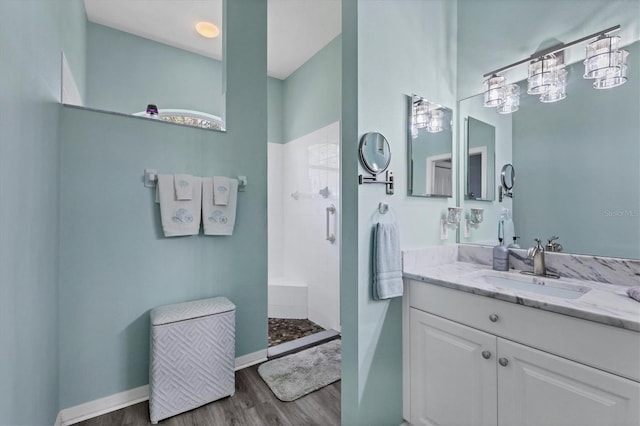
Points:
[[98, 407], [253, 358]]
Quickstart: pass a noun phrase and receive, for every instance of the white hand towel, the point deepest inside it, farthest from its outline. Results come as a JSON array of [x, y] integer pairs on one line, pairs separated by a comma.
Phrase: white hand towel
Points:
[[387, 262], [220, 190], [218, 220], [179, 217], [184, 187]]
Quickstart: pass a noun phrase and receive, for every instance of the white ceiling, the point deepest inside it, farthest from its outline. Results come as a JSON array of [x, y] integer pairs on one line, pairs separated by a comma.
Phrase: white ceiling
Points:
[[297, 29]]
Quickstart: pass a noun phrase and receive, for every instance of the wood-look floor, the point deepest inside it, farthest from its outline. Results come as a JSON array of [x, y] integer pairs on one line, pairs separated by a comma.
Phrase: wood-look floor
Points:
[[253, 404]]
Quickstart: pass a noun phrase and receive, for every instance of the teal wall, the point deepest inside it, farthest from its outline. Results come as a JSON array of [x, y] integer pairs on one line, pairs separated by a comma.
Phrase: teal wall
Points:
[[275, 104], [403, 47], [29, 92], [73, 32], [115, 264], [126, 72], [311, 94], [348, 239], [576, 165]]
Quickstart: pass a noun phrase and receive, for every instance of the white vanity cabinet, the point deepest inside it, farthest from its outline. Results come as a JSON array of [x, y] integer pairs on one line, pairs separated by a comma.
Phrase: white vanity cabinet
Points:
[[473, 360]]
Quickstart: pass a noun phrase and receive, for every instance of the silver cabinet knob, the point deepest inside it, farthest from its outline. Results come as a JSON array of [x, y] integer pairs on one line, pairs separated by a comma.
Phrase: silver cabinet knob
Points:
[[494, 317], [486, 354], [503, 362]]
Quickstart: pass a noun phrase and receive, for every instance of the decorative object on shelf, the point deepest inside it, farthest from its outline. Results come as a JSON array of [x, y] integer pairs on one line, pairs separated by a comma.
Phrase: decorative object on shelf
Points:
[[474, 219], [507, 178], [375, 156], [547, 76], [476, 216], [454, 214]]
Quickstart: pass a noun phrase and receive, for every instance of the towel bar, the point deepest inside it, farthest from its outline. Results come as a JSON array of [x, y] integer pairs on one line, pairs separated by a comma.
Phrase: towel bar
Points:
[[151, 178]]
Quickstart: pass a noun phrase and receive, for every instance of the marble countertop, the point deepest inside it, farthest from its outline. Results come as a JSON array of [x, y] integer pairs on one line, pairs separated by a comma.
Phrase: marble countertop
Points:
[[604, 303]]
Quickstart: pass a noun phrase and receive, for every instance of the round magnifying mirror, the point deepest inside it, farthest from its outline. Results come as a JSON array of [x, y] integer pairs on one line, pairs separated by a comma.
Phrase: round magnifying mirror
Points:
[[508, 176], [375, 153]]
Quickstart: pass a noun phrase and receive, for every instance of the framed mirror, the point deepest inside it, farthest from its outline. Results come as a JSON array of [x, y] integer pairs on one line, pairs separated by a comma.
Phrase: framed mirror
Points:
[[430, 148], [374, 152], [481, 158], [155, 59]]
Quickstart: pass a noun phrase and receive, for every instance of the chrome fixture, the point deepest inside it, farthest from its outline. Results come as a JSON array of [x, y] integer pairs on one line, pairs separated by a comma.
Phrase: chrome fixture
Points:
[[507, 180], [331, 210], [553, 247], [537, 253], [547, 76]]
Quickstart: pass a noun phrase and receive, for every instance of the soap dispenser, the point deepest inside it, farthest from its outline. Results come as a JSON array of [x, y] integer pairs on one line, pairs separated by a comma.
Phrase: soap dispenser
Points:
[[514, 244], [500, 252]]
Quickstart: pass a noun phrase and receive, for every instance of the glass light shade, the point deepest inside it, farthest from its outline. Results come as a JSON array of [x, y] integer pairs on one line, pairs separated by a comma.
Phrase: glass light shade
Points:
[[414, 132], [421, 117], [558, 88], [603, 57], [541, 74], [611, 81], [493, 88], [435, 122], [511, 101]]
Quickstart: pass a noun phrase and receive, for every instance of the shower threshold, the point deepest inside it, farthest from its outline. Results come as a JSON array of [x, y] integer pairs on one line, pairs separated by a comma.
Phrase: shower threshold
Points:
[[301, 343]]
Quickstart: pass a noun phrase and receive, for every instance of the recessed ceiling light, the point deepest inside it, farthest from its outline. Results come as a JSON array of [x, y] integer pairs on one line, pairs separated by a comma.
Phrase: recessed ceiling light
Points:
[[207, 29]]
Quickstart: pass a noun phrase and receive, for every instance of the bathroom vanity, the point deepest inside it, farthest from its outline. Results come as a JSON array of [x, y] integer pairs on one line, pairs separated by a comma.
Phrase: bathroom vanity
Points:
[[486, 348]]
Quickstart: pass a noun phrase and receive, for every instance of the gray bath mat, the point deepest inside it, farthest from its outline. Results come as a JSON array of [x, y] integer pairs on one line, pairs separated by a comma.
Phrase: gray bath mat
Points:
[[299, 374]]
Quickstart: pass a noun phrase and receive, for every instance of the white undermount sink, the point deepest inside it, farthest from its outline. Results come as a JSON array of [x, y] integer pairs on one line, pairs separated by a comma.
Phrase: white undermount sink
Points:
[[533, 284]]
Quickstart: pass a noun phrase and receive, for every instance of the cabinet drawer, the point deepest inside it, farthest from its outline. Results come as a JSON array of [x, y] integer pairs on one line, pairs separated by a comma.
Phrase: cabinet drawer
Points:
[[608, 348]]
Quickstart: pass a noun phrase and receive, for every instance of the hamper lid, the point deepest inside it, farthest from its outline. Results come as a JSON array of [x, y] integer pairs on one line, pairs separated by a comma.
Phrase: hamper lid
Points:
[[188, 310]]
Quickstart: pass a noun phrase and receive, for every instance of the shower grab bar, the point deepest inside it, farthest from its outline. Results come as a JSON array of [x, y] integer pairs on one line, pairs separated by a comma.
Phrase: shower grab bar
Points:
[[330, 237]]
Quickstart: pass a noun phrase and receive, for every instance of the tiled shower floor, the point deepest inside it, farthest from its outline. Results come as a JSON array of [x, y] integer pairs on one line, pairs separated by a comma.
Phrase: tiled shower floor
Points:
[[283, 330]]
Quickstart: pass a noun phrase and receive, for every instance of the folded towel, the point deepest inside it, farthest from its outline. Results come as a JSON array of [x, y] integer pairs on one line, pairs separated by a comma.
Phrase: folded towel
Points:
[[218, 220], [634, 293], [220, 191], [179, 217], [184, 187], [387, 262]]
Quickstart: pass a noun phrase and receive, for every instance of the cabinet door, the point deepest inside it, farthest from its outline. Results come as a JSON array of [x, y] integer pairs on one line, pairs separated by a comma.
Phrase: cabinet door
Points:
[[539, 389], [452, 381]]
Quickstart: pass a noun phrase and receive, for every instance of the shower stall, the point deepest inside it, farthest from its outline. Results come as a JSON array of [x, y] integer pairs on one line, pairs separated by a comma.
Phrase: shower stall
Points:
[[303, 227]]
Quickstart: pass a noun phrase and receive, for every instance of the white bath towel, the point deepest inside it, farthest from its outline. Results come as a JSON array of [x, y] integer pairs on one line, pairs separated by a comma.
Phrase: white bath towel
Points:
[[218, 220], [179, 217], [220, 191], [387, 262], [184, 187]]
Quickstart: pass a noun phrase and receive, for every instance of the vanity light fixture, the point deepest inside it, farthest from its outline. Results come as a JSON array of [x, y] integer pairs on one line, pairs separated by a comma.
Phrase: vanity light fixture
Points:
[[435, 121], [207, 29], [542, 72], [547, 76], [493, 88], [511, 100], [557, 89]]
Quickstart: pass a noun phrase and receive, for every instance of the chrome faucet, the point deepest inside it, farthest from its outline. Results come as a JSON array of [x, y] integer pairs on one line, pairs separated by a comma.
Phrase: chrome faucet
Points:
[[537, 253]]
